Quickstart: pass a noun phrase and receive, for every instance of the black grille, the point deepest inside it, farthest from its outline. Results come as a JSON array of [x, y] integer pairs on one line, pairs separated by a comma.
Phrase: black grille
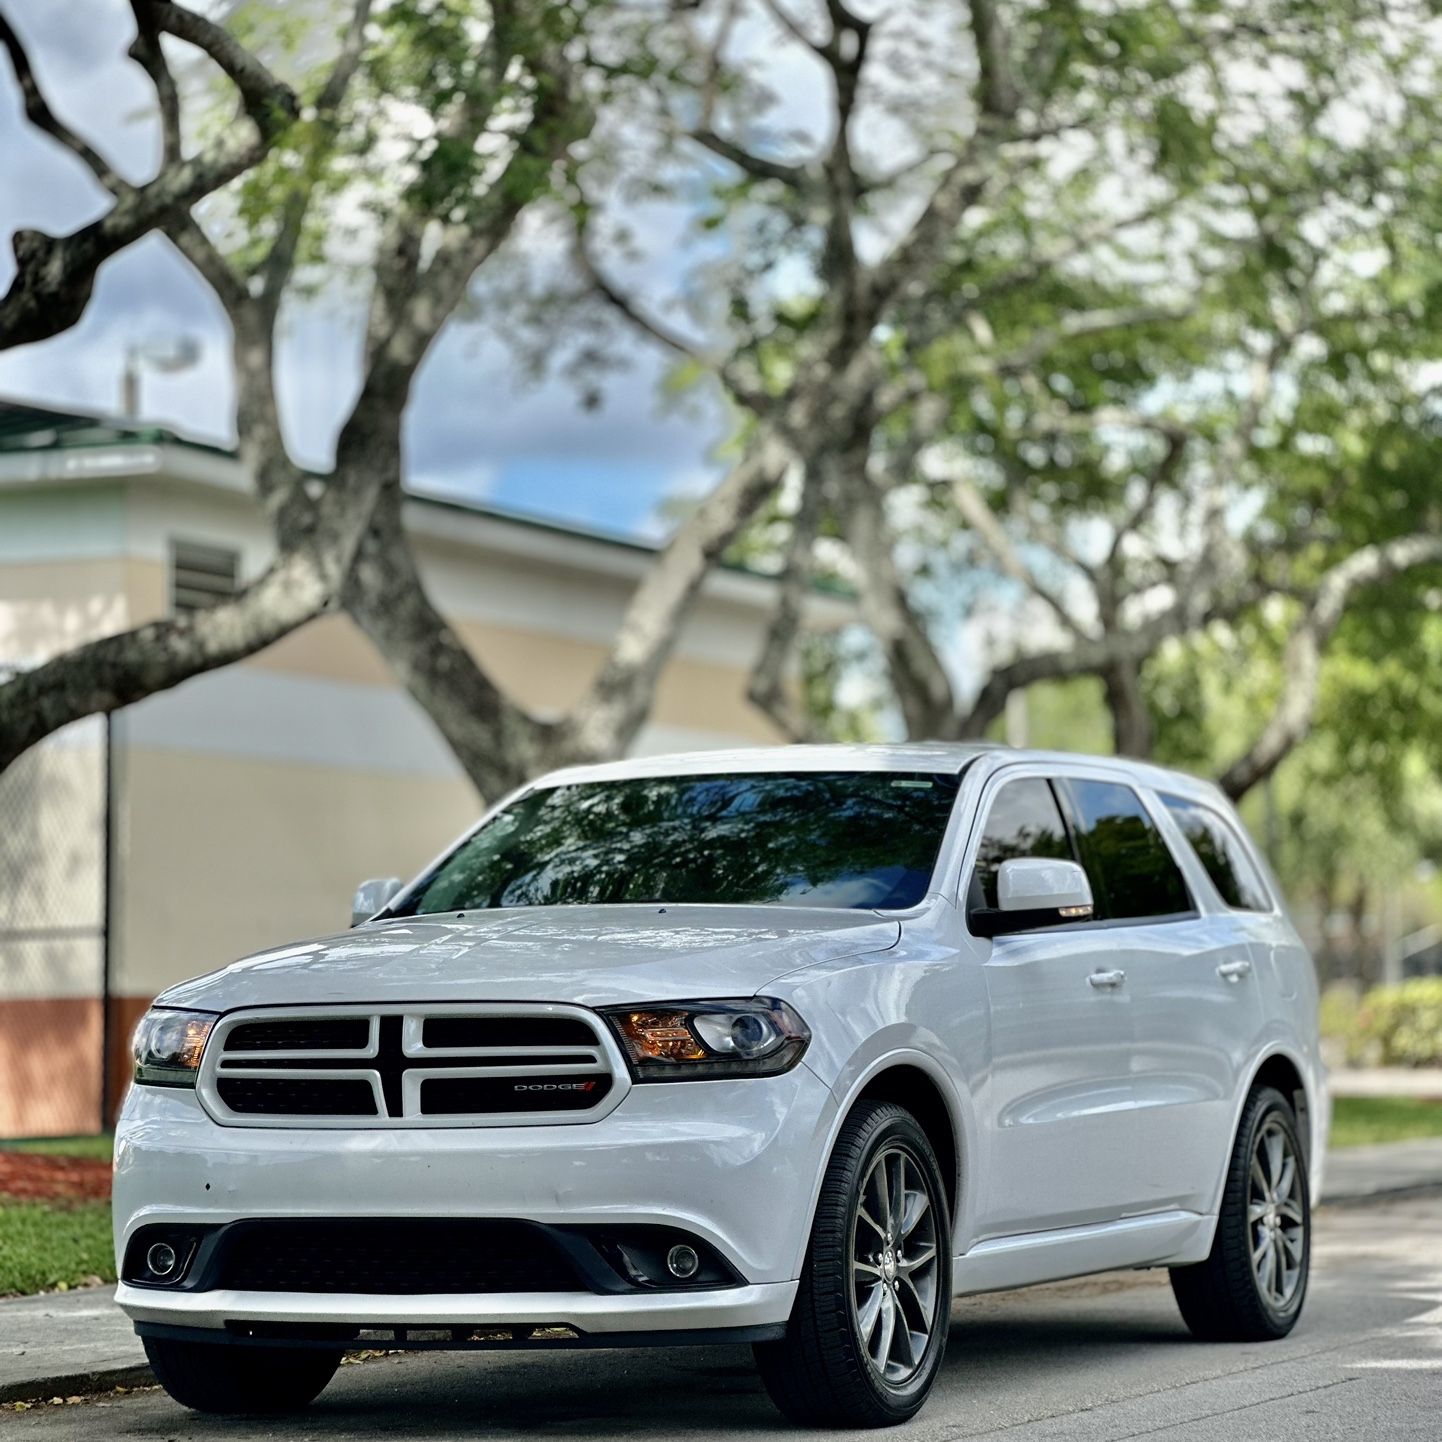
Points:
[[392, 1256], [297, 1096], [488, 1031], [557, 1063], [331, 1034], [458, 1096]]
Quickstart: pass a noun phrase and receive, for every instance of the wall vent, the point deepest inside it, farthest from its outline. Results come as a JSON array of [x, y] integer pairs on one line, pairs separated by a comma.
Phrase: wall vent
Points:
[[201, 576]]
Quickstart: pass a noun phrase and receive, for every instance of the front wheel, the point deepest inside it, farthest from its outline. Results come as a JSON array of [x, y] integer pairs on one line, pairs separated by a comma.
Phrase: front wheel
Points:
[[1251, 1287], [869, 1327], [229, 1377]]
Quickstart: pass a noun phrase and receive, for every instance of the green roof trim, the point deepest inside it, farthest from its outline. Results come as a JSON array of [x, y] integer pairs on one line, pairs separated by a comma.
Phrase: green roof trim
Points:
[[28, 428]]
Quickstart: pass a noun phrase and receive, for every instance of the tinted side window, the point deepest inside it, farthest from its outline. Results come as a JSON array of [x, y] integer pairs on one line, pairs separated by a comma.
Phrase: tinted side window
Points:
[[1024, 821], [1220, 852], [1132, 872]]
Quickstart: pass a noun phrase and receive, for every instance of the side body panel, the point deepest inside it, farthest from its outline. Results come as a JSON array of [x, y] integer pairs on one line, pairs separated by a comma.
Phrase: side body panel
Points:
[[1198, 1016], [1061, 1146]]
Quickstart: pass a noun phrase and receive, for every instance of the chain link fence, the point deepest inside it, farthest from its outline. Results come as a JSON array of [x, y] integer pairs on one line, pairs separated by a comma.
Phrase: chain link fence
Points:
[[53, 840]]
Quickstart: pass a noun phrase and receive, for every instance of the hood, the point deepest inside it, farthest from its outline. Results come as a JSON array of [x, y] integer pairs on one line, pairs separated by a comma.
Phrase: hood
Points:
[[590, 956]]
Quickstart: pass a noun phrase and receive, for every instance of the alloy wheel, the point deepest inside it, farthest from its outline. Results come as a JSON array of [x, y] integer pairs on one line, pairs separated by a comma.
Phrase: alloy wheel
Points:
[[1276, 1222], [895, 1266]]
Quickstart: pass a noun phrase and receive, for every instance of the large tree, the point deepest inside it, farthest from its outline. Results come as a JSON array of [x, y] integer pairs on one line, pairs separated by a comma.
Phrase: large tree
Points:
[[1171, 286], [812, 310], [988, 285], [407, 159], [504, 114], [431, 130]]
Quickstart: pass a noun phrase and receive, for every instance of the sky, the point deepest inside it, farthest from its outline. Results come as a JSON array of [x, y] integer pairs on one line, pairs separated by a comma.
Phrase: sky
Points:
[[476, 427]]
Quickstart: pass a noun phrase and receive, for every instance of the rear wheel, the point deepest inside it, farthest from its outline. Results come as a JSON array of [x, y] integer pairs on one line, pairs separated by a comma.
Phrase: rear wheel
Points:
[[869, 1327], [227, 1377], [1251, 1287]]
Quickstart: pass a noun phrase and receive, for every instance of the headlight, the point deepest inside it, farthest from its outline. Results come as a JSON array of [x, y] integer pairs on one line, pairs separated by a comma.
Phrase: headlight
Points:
[[686, 1041], [168, 1045]]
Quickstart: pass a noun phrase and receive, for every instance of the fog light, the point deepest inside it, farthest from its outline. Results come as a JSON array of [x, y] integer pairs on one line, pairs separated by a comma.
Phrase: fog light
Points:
[[682, 1262], [160, 1259]]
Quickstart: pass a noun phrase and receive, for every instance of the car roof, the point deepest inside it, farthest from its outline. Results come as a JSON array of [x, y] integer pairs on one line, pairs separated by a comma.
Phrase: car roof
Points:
[[916, 756]]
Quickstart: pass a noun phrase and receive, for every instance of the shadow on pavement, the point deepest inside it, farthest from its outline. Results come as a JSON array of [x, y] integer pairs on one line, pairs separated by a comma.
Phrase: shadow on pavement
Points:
[[667, 1392]]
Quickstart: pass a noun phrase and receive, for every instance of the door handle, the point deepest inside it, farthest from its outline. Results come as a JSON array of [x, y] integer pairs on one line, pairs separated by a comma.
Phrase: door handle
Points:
[[1107, 980], [1234, 970]]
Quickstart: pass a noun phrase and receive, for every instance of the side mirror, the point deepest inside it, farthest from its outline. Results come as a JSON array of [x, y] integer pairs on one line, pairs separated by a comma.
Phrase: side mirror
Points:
[[371, 896], [1033, 892]]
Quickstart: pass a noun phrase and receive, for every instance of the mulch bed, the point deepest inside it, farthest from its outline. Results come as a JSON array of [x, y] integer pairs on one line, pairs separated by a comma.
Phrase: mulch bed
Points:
[[32, 1178]]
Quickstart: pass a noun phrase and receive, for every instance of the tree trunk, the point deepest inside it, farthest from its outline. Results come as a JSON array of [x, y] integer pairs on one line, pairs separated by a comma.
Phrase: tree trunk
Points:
[[1132, 731], [496, 743], [114, 671], [923, 688]]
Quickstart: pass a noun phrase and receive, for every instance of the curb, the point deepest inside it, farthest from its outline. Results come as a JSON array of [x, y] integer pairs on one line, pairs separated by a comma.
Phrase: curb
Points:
[[1383, 1194], [77, 1384]]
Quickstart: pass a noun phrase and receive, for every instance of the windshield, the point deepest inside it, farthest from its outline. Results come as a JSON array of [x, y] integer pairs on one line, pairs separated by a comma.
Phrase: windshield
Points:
[[851, 839]]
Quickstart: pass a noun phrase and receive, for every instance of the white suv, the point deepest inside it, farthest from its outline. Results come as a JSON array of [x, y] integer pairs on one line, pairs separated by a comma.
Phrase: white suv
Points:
[[786, 1047]]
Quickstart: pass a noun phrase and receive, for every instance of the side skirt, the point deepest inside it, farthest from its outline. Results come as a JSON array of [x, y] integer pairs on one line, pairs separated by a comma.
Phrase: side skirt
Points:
[[1158, 1239]]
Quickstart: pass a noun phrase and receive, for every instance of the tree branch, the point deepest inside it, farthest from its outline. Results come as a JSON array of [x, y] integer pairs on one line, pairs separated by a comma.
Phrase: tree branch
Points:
[[148, 54], [996, 90], [1080, 242], [758, 167], [982, 519], [791, 24], [743, 389], [1075, 326], [275, 272], [270, 105], [1291, 718], [615, 706], [767, 688], [114, 671], [496, 742], [40, 115], [923, 687], [54, 276]]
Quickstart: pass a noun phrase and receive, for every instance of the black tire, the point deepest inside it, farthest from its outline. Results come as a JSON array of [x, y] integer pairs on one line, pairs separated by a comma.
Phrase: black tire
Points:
[[1223, 1299], [227, 1377], [821, 1374]]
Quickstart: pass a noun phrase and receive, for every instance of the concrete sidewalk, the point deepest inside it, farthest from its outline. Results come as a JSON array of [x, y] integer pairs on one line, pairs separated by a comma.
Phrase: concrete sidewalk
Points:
[[1386, 1081], [80, 1342], [67, 1343], [1355, 1174]]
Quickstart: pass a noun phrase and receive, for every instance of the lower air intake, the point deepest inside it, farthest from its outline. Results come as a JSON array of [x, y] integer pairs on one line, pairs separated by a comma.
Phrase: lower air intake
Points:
[[388, 1256]]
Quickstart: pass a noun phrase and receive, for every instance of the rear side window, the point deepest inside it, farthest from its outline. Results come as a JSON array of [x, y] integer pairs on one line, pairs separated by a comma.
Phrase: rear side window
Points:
[[1132, 872], [1024, 821], [1221, 852]]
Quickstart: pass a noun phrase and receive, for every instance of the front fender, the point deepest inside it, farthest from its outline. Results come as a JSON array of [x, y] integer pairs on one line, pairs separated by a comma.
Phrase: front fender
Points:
[[922, 1005]]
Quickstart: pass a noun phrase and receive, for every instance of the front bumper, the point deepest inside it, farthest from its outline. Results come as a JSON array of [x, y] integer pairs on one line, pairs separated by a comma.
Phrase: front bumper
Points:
[[730, 1309], [733, 1162]]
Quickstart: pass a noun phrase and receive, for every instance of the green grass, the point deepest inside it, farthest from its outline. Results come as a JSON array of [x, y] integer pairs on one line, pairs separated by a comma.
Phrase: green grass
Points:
[[43, 1247], [1359, 1121], [98, 1147]]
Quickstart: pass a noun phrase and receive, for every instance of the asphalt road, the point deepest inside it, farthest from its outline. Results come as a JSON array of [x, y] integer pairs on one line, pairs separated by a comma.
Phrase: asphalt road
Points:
[[1106, 1358]]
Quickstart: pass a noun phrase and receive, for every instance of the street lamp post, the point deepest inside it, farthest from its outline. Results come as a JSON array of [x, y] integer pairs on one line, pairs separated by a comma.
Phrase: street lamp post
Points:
[[167, 355]]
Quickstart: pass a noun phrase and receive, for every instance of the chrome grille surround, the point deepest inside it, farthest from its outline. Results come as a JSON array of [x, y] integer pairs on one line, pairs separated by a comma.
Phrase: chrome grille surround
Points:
[[530, 1068]]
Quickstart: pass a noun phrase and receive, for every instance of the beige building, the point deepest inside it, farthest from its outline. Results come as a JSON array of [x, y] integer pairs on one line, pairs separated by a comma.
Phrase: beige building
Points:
[[241, 808]]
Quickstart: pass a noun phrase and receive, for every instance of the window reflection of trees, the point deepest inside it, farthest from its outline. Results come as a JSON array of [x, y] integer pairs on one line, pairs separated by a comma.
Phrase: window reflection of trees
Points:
[[1125, 853], [1221, 855], [850, 840], [1024, 821]]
